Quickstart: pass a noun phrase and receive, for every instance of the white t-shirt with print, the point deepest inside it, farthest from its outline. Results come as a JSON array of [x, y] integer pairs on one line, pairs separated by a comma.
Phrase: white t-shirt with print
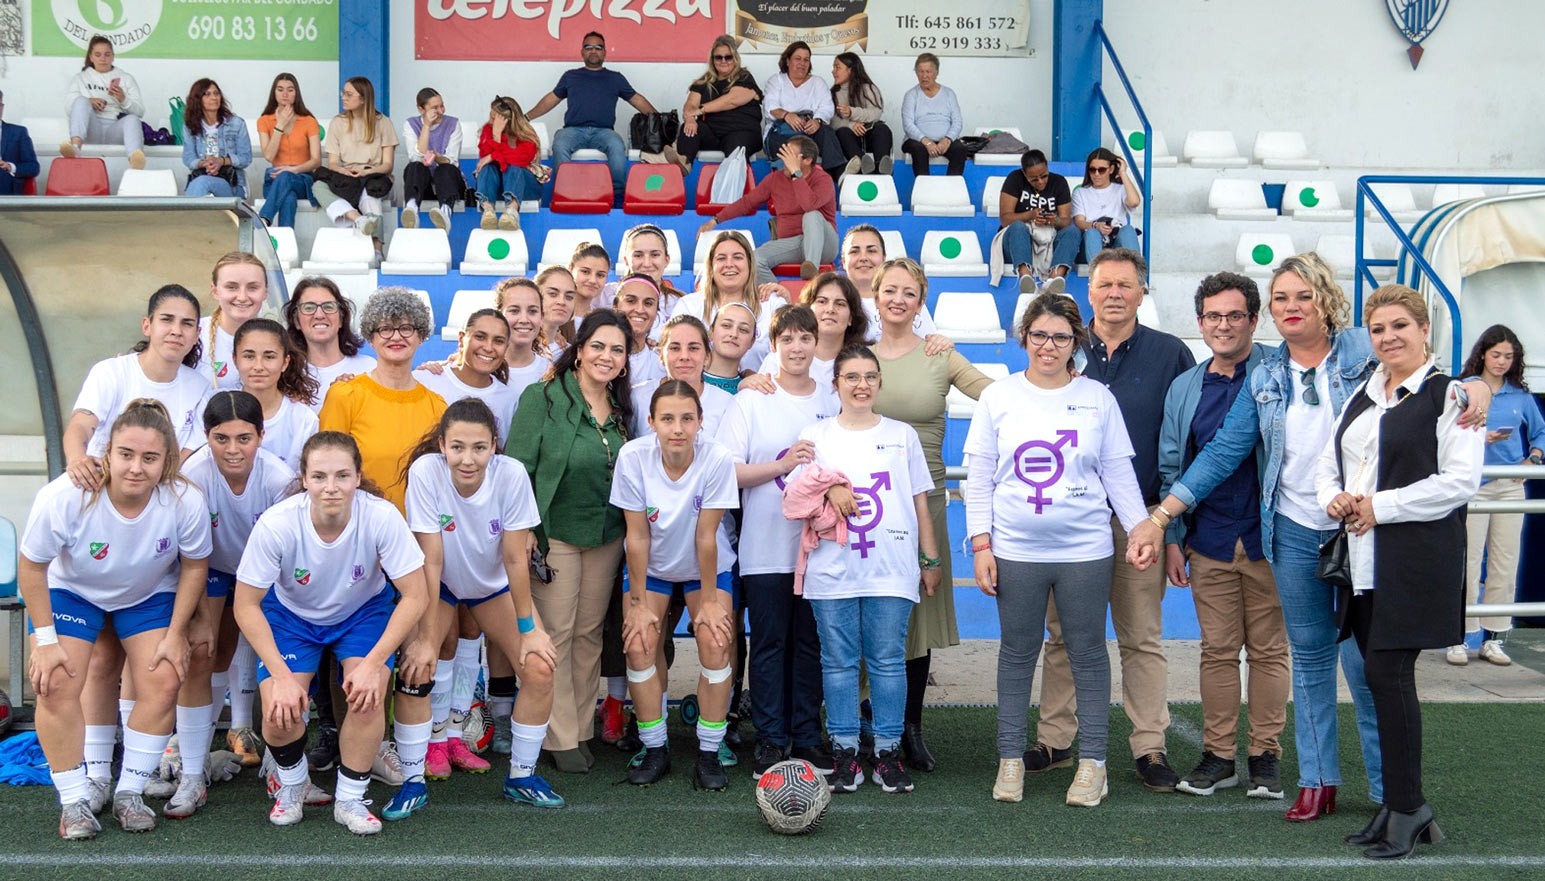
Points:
[[113, 383], [288, 430], [348, 365], [887, 468], [217, 363], [499, 397], [232, 516], [640, 483], [107, 559], [472, 527], [1094, 204]]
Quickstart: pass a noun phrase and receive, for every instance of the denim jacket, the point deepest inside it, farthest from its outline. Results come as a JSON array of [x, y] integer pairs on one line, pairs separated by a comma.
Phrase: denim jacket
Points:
[[1260, 417], [234, 142]]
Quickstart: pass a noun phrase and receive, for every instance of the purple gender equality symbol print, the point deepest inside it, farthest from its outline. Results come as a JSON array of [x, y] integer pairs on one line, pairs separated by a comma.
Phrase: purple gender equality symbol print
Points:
[[1039, 464], [870, 512]]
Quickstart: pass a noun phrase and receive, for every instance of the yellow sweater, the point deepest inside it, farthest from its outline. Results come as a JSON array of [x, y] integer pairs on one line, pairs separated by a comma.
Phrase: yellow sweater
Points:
[[386, 423]]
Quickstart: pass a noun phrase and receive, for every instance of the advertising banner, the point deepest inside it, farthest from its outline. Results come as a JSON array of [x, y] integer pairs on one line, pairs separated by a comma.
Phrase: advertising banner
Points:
[[892, 27], [552, 30], [282, 30]]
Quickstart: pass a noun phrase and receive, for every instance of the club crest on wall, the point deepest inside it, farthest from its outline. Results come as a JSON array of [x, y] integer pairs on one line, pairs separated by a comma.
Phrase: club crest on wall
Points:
[[1416, 20]]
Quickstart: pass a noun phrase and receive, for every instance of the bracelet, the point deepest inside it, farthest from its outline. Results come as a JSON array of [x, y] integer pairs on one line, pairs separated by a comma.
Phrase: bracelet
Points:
[[1158, 510], [526, 624], [1157, 522], [928, 562], [46, 635], [984, 546]]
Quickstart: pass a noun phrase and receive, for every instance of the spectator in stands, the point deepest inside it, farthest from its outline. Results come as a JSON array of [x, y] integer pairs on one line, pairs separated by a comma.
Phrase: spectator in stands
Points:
[[797, 103], [865, 138], [215, 146], [104, 105], [1036, 235], [433, 172], [507, 166], [931, 119], [1100, 206], [1515, 435], [321, 323], [361, 147], [1397, 474], [1133, 361], [807, 221], [293, 155], [1230, 580], [723, 109], [592, 92], [18, 161]]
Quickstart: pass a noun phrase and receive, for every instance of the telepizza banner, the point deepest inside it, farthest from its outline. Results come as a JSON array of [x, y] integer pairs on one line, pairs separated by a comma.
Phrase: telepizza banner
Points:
[[552, 30]]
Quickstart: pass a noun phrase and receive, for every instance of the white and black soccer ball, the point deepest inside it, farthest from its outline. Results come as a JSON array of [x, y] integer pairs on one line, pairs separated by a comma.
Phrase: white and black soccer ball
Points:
[[477, 729], [792, 797]]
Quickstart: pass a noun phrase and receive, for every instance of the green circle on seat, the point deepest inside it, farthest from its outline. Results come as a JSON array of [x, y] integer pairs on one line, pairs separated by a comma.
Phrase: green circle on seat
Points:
[[1137, 141], [498, 249], [1261, 254], [654, 182], [1307, 198], [950, 248], [275, 242], [996, 131], [868, 191]]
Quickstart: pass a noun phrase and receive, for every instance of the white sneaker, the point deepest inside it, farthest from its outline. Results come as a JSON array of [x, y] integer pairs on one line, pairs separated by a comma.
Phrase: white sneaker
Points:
[[355, 814], [1491, 650], [287, 809], [854, 164], [160, 787], [387, 768], [1089, 785], [509, 221], [438, 218], [315, 796], [1054, 285], [191, 792], [1458, 655], [101, 793]]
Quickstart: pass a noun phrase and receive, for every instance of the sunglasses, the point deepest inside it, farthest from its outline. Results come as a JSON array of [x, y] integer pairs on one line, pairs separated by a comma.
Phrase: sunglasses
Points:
[[592, 47], [1311, 394], [724, 58], [1099, 169]]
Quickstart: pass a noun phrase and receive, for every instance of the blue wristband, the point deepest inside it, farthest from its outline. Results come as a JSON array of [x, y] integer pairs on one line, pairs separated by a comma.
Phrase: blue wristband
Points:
[[526, 624]]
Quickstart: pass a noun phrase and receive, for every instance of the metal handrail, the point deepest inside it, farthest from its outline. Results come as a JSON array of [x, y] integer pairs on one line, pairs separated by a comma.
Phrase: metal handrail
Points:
[[1144, 181]]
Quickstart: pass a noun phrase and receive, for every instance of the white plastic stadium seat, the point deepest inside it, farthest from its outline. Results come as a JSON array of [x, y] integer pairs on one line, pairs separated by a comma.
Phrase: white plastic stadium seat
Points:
[[147, 182], [1442, 194], [1148, 313], [1283, 150], [1232, 198], [495, 252], [543, 139], [1138, 144], [1313, 200], [559, 245], [705, 241], [672, 245], [990, 192], [470, 131], [968, 317], [1259, 253], [953, 253], [998, 158], [958, 405], [341, 250], [422, 251], [283, 240], [942, 196], [1023, 303], [869, 195], [1340, 253], [895, 245], [1398, 200], [463, 304], [1213, 149], [47, 133]]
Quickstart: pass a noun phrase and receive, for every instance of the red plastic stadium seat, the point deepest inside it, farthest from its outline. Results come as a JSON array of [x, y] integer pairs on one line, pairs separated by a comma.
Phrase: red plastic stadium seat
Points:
[[29, 186], [77, 177], [582, 188], [791, 270], [705, 203], [654, 189]]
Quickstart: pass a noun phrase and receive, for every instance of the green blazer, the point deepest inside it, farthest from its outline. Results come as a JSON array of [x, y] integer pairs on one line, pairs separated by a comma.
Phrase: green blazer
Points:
[[543, 436]]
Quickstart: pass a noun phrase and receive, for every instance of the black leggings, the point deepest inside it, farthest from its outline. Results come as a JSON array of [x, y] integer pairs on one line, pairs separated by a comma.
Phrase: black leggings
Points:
[[1391, 675], [956, 155], [877, 140], [726, 142], [443, 183]]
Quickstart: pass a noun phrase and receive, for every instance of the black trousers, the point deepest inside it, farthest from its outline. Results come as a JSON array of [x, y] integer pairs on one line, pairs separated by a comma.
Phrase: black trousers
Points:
[[443, 183], [1391, 675], [956, 155], [877, 140], [726, 142]]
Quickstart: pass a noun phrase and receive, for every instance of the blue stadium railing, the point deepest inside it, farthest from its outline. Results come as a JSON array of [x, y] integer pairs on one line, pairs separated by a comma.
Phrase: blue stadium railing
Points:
[[1144, 181]]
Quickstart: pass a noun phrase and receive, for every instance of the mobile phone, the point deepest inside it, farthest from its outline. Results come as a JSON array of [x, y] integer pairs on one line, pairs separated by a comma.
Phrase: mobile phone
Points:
[[1504, 433], [114, 83]]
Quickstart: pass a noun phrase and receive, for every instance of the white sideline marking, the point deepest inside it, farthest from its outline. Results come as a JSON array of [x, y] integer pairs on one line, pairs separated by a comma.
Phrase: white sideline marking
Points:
[[1185, 730]]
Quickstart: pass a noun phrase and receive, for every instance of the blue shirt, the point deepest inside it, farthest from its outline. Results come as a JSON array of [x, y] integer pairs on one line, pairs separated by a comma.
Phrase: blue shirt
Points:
[[1232, 512], [1514, 408], [592, 97], [1138, 373]]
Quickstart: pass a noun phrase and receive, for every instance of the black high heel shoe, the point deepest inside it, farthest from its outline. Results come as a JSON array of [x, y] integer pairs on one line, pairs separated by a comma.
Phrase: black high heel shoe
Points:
[[1373, 833], [1404, 830]]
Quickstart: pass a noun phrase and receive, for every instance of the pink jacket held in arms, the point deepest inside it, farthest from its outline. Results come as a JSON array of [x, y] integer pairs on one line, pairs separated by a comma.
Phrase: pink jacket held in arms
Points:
[[805, 499]]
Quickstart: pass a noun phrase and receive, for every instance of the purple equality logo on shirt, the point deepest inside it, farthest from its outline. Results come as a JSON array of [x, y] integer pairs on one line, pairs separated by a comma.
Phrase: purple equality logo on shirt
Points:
[[1039, 464], [870, 512]]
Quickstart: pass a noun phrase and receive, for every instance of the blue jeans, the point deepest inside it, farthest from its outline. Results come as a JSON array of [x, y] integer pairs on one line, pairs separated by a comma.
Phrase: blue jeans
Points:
[[1019, 247], [1094, 243], [210, 185], [1308, 609], [282, 192], [874, 630], [784, 663], [514, 182], [570, 139]]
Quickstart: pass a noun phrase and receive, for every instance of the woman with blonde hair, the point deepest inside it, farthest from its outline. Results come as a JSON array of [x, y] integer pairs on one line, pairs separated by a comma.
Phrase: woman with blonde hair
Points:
[[361, 145], [723, 109], [239, 286], [507, 166]]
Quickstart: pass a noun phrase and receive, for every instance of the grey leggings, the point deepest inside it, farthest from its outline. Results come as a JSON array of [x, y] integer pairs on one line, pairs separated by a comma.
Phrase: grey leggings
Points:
[[1082, 593]]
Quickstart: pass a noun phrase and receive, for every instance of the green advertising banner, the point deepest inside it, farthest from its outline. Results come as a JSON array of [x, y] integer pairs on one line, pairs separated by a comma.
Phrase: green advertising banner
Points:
[[287, 30]]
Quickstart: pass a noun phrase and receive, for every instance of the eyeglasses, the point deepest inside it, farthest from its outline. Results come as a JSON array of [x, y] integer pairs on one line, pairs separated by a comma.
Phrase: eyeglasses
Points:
[[406, 331], [1311, 394], [1213, 319], [593, 47], [861, 378], [1099, 169], [327, 308], [1039, 338]]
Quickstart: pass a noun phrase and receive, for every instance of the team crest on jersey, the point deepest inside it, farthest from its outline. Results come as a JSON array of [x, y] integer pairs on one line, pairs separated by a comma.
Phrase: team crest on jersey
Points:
[[447, 523], [495, 526], [697, 503], [220, 369], [302, 576], [651, 513], [99, 550], [163, 545], [358, 573], [214, 519]]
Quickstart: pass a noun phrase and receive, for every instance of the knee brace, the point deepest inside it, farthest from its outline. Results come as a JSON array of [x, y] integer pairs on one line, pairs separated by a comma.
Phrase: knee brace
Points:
[[715, 677], [641, 675], [421, 690]]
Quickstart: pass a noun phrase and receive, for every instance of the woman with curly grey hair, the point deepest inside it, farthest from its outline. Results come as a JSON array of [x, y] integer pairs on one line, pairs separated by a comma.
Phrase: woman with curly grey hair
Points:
[[386, 409]]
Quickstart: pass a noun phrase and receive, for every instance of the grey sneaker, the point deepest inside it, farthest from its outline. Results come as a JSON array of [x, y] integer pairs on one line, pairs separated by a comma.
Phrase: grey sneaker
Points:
[[366, 224], [1210, 775], [192, 789], [101, 794], [76, 822], [160, 787], [132, 814], [1055, 285], [387, 767]]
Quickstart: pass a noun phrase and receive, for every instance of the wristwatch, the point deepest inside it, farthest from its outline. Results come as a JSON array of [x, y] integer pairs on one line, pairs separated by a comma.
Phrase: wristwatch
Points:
[[1537, 459]]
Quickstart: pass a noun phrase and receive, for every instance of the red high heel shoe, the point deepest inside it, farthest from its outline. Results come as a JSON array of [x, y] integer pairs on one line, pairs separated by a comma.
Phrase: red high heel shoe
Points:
[[1313, 802]]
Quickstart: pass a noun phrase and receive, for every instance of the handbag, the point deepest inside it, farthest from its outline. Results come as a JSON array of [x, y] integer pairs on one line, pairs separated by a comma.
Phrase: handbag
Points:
[[972, 144], [729, 182], [1335, 564], [651, 132]]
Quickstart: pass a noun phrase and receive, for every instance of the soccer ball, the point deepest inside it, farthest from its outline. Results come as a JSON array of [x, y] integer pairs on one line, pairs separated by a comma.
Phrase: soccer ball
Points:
[[6, 714], [477, 730], [792, 797]]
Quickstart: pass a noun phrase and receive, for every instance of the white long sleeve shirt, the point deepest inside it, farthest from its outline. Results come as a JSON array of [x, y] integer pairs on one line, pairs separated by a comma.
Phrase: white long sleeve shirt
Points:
[[781, 94], [90, 83]]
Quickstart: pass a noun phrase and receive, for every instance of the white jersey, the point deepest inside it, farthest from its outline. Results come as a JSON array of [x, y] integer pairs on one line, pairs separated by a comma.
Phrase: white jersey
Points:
[[1049, 499], [113, 383], [232, 516], [820, 370], [887, 468], [288, 430], [922, 323], [499, 397], [217, 362], [692, 304], [645, 366], [640, 483], [107, 559], [716, 401], [349, 365], [521, 377], [471, 528], [324, 583], [759, 428]]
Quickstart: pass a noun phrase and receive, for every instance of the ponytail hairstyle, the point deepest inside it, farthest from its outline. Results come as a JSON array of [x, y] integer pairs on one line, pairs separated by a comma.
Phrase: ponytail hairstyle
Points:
[[502, 372], [230, 258], [675, 388], [566, 331], [233, 406], [588, 250], [348, 341], [471, 410], [295, 381], [333, 440], [650, 229], [145, 413], [162, 294], [502, 292]]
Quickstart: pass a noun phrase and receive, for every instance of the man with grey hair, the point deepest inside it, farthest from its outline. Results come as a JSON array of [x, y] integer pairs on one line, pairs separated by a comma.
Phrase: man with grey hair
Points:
[[18, 161], [807, 212]]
